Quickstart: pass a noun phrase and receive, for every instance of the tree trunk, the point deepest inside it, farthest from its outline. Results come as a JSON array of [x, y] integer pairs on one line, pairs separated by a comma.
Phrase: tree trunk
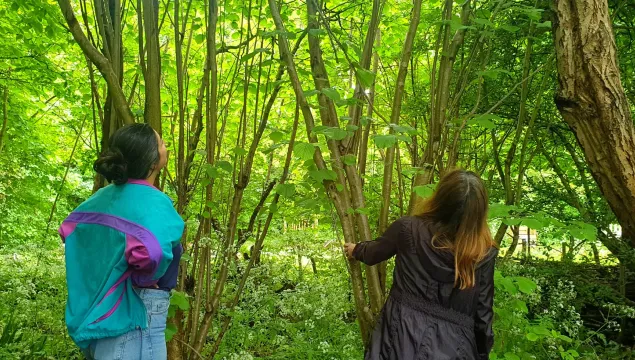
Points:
[[101, 62], [5, 116], [596, 254], [512, 248], [592, 102], [406, 53], [364, 314], [152, 76], [440, 96]]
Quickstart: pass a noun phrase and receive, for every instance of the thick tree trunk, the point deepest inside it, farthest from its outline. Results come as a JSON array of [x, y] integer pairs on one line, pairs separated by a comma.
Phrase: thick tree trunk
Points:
[[592, 102]]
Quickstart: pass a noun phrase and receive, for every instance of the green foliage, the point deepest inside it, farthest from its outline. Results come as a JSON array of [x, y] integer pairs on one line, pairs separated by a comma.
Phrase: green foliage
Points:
[[286, 311]]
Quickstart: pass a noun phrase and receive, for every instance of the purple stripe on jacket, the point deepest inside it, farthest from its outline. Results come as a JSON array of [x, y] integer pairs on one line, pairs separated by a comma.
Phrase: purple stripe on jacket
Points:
[[153, 254], [112, 310]]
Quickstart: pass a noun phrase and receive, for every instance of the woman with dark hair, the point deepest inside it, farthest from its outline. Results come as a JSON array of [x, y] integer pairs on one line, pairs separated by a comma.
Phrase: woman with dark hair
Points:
[[440, 303], [122, 253]]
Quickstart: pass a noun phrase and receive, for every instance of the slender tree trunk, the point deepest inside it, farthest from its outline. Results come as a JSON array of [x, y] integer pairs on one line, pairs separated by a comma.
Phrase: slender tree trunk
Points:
[[211, 131], [5, 116], [152, 112], [592, 102], [512, 248], [355, 110], [441, 95], [339, 200], [389, 160], [363, 149], [596, 254]]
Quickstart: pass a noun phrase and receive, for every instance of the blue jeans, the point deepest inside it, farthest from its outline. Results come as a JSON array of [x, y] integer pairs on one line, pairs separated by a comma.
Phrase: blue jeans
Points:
[[148, 344]]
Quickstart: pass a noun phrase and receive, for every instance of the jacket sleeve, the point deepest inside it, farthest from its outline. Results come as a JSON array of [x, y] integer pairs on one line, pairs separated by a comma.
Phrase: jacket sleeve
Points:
[[382, 248], [142, 262], [484, 313]]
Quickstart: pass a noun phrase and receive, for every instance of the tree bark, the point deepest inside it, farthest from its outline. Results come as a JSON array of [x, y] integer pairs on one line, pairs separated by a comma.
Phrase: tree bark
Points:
[[512, 248], [339, 200], [152, 75], [389, 160], [592, 102]]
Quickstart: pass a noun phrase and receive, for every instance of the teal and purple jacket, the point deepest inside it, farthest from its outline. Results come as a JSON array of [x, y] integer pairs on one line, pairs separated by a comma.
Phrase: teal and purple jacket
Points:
[[122, 236]]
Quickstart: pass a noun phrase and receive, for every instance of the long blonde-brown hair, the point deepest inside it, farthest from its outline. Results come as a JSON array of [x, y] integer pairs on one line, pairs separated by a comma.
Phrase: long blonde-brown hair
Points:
[[458, 209]]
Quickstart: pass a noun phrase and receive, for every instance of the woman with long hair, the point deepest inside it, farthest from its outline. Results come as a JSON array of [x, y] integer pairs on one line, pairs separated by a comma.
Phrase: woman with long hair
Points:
[[440, 303], [122, 253]]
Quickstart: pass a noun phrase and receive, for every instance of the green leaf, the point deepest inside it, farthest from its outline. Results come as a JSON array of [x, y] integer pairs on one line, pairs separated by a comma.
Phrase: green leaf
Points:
[[511, 356], [170, 331], [365, 120], [276, 136], [565, 338], [385, 141], [365, 77], [212, 172], [304, 150], [225, 165], [322, 175], [508, 285], [349, 159], [484, 121], [484, 22], [334, 133], [179, 299], [540, 330], [512, 221], [509, 28], [403, 129], [424, 191], [332, 94], [546, 24], [317, 32], [240, 151], [199, 38], [273, 208], [500, 210], [532, 337], [520, 306], [309, 93], [525, 285], [286, 190], [532, 223], [493, 73]]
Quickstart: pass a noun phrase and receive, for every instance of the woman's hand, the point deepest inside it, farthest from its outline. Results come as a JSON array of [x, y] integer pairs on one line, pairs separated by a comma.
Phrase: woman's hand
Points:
[[349, 248]]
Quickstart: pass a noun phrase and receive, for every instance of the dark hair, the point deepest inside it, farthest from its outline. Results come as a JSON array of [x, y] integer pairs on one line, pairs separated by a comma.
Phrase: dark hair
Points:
[[132, 151], [458, 209]]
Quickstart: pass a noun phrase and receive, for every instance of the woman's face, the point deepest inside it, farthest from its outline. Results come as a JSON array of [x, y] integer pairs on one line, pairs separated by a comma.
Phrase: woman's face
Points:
[[163, 153]]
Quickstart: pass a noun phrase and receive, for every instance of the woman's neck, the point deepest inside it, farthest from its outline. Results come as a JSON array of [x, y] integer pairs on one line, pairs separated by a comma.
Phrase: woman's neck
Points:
[[153, 177]]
